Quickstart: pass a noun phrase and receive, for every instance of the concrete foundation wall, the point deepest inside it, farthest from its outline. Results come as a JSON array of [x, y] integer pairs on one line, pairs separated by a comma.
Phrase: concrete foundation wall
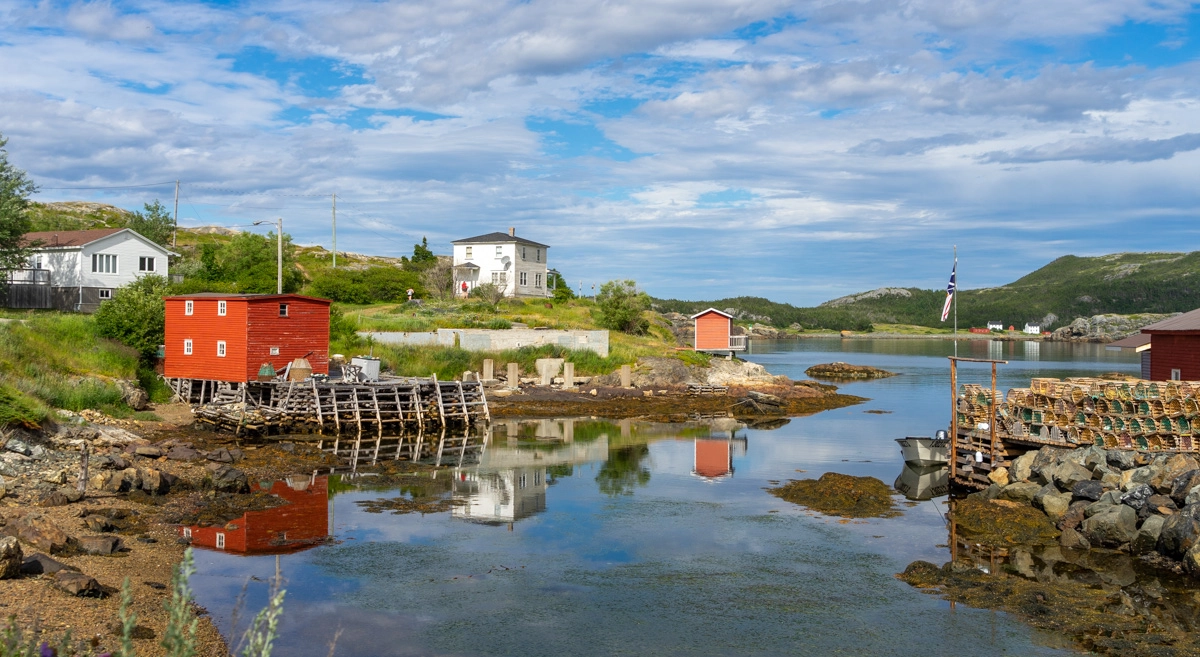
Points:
[[499, 340]]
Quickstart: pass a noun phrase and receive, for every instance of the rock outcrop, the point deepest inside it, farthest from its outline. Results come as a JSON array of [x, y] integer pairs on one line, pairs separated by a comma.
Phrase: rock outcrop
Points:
[[1105, 328]]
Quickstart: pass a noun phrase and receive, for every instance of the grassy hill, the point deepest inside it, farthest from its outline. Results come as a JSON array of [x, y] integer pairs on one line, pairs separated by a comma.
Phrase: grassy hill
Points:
[[1069, 287]]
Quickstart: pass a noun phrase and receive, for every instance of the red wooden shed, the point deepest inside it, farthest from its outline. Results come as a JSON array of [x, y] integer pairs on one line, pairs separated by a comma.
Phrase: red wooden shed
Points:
[[227, 337], [1175, 348], [714, 332]]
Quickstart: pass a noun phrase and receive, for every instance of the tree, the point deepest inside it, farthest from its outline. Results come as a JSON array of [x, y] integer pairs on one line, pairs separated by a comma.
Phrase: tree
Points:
[[155, 224], [15, 189], [249, 260], [620, 305], [562, 291], [623, 471], [422, 257], [135, 315], [438, 278]]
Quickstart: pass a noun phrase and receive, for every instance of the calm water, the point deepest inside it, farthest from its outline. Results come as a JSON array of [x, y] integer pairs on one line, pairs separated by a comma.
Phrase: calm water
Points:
[[640, 539]]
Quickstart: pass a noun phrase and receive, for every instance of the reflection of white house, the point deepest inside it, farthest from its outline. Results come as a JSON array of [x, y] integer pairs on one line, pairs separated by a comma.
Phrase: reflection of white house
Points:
[[499, 496], [514, 264], [84, 267]]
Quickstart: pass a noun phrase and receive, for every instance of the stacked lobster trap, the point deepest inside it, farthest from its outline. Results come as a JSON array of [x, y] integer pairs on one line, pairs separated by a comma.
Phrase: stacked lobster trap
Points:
[[1141, 415]]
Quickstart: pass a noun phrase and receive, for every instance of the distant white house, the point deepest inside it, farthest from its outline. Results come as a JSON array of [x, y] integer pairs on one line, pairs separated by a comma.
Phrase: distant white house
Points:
[[82, 268], [1033, 329], [995, 326], [513, 264]]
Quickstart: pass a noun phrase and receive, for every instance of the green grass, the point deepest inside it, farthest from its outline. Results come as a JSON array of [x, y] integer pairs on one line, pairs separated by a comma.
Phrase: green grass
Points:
[[451, 362], [55, 360]]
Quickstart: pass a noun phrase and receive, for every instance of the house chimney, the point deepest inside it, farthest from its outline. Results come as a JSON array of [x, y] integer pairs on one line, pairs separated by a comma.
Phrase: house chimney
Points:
[[512, 232]]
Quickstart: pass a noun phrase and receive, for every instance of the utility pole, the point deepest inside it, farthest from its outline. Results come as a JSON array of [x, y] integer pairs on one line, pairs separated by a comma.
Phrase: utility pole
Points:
[[175, 230], [335, 230]]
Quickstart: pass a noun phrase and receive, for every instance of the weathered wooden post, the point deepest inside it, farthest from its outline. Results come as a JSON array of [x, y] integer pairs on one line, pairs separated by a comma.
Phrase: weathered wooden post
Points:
[[488, 369], [513, 382], [568, 376], [81, 485], [626, 376]]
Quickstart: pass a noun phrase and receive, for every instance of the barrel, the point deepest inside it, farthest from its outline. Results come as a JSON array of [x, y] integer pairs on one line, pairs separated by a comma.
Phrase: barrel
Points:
[[301, 370]]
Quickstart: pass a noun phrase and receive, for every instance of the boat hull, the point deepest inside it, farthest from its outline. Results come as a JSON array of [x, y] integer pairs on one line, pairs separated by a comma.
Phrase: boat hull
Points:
[[923, 450]]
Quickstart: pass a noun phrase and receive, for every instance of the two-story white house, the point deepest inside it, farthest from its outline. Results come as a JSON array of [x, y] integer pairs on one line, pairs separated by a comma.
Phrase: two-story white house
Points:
[[83, 268], [513, 264]]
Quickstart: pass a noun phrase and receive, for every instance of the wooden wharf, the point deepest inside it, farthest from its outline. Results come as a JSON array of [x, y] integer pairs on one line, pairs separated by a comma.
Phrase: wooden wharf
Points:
[[385, 408], [991, 429]]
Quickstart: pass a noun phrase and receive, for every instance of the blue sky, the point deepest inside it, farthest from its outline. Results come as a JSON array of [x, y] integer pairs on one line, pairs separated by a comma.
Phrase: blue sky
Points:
[[704, 148]]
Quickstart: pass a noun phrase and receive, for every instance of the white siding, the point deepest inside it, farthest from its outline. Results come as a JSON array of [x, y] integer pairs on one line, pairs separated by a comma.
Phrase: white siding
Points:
[[128, 249], [63, 266]]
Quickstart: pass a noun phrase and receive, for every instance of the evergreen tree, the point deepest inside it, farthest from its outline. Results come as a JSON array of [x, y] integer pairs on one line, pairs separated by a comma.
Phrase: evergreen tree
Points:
[[15, 189]]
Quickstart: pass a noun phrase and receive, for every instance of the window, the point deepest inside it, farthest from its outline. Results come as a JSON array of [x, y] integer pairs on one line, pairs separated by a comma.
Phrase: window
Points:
[[221, 308], [220, 348], [274, 351], [145, 264], [104, 263], [468, 254], [1175, 375], [187, 532], [187, 347], [105, 294], [35, 261], [539, 255], [499, 251], [537, 280], [524, 278], [188, 307], [220, 541], [283, 310], [523, 254], [499, 278]]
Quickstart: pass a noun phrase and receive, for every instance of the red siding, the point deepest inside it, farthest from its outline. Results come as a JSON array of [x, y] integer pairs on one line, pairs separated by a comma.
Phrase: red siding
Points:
[[305, 329], [301, 523], [1174, 351], [204, 328], [714, 458], [250, 327], [712, 331]]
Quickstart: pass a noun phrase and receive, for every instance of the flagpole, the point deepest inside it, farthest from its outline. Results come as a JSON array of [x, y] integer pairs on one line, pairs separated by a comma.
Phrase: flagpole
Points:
[[955, 300]]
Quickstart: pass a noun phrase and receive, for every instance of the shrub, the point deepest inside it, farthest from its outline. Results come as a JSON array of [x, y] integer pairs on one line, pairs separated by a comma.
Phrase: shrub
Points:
[[620, 305], [19, 410], [135, 315]]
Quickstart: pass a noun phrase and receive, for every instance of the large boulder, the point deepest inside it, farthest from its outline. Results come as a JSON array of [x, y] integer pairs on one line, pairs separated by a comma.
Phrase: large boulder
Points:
[[228, 479], [1069, 473], [39, 531], [1045, 458], [1112, 527], [1072, 539], [1022, 492], [1056, 505], [101, 545], [1138, 496], [40, 564], [1121, 459], [1193, 496], [11, 557], [1093, 457], [1074, 516], [1147, 536], [78, 584], [1179, 532], [1172, 467], [1087, 490], [1183, 484], [1191, 561], [1020, 470]]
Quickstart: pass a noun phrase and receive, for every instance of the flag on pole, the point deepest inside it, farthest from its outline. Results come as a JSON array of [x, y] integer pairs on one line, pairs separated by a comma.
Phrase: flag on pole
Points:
[[950, 289]]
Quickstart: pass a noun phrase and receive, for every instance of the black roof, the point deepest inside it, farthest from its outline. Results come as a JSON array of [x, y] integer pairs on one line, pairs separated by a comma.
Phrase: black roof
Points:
[[498, 238]]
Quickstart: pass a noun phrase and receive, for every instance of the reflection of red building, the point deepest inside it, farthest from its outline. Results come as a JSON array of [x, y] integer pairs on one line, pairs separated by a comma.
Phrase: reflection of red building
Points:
[[298, 525], [714, 458]]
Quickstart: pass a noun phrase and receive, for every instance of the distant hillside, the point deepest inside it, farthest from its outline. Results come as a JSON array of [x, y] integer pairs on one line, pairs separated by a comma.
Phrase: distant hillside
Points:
[[77, 215], [1069, 287]]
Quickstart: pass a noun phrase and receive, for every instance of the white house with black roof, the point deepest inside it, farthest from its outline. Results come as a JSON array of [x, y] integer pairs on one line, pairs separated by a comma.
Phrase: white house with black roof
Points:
[[513, 264]]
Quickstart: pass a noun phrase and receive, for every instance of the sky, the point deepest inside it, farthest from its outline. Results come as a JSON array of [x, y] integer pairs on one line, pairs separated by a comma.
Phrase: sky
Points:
[[798, 151]]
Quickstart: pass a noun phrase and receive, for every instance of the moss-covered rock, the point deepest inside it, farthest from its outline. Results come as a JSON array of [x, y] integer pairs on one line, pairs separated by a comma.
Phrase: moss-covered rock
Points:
[[842, 495], [1001, 522]]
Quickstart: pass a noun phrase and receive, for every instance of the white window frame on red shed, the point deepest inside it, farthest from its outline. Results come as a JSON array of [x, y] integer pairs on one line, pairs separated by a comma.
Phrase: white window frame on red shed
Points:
[[189, 307], [187, 347], [221, 350], [222, 307]]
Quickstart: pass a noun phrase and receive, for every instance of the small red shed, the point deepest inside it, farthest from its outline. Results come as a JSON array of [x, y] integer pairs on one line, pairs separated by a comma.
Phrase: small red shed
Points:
[[714, 332], [227, 337], [1175, 348]]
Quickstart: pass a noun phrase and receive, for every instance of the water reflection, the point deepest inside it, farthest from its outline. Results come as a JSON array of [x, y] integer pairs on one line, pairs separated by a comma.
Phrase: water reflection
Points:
[[918, 482], [299, 524], [713, 457], [499, 497]]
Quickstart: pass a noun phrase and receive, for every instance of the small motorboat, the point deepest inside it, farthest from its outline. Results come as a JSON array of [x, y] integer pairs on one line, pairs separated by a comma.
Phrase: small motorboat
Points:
[[923, 450]]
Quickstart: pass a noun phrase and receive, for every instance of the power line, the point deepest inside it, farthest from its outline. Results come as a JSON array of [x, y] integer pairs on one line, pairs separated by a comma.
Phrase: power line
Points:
[[161, 184]]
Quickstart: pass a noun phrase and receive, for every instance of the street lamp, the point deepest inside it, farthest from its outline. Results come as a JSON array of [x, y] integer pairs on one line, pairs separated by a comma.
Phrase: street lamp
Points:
[[279, 256]]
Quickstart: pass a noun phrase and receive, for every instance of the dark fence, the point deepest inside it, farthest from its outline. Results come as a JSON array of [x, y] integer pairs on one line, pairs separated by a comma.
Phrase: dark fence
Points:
[[26, 288]]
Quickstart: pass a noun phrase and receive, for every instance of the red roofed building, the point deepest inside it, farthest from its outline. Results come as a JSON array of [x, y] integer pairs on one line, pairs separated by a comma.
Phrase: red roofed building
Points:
[[300, 524], [1174, 351], [227, 337]]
